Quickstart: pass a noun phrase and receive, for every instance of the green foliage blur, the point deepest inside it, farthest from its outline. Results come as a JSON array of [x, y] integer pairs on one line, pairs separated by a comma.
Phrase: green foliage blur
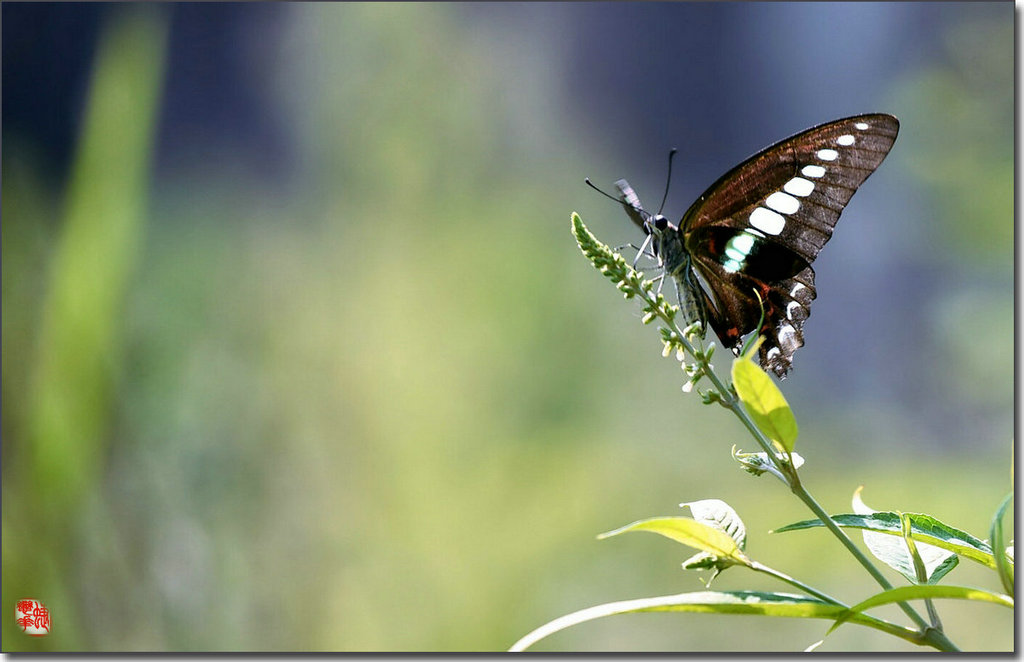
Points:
[[389, 410]]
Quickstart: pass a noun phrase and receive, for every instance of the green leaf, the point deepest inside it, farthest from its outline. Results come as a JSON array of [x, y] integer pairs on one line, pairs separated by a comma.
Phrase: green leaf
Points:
[[764, 402], [1004, 566], [720, 515], [714, 602], [924, 528], [925, 592], [689, 532], [894, 553]]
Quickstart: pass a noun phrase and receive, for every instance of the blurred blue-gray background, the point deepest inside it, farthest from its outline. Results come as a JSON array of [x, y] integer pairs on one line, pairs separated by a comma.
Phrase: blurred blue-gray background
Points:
[[299, 354]]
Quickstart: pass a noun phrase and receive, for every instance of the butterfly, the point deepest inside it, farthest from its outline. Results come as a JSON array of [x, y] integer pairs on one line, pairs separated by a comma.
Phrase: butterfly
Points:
[[742, 252]]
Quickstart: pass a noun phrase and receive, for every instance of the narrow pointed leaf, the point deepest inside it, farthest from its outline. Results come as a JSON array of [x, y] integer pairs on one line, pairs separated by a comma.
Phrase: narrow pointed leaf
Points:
[[893, 551], [714, 602], [1004, 566], [764, 402], [924, 528], [690, 533], [925, 592]]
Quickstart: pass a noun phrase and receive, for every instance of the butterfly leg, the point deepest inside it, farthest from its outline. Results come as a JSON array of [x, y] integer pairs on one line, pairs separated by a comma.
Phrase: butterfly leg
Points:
[[660, 280], [642, 251]]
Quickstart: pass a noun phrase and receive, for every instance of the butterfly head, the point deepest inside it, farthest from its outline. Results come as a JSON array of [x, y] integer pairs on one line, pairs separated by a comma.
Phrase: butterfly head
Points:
[[657, 224]]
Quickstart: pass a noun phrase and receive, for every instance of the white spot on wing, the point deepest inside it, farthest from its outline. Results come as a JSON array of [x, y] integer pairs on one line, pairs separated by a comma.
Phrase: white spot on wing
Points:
[[846, 140], [828, 154], [734, 255], [799, 186], [861, 126], [813, 171], [767, 221], [783, 202], [743, 243], [796, 288], [786, 335], [756, 233], [773, 352], [736, 251], [789, 309]]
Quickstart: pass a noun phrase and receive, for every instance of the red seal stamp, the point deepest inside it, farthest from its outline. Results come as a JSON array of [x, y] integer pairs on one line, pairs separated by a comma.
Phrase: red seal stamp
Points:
[[32, 617]]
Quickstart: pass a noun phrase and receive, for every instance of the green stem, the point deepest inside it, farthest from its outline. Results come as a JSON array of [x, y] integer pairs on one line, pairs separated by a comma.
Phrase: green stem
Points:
[[938, 640], [815, 507], [732, 403], [628, 281], [927, 637], [810, 590], [919, 570]]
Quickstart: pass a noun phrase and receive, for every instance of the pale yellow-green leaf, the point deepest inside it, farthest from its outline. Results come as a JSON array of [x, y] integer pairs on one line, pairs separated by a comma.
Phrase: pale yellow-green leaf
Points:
[[764, 402], [689, 532]]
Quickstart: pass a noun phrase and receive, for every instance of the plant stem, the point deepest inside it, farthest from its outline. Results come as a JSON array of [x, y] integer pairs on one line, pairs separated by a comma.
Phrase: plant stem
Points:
[[938, 640], [731, 402], [810, 590], [928, 636], [815, 507], [629, 281]]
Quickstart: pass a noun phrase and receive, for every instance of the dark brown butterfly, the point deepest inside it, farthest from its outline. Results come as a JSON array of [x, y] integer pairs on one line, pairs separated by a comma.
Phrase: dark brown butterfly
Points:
[[755, 232]]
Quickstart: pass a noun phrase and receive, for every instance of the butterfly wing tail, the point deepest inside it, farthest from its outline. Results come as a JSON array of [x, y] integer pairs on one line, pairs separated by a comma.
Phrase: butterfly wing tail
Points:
[[790, 301]]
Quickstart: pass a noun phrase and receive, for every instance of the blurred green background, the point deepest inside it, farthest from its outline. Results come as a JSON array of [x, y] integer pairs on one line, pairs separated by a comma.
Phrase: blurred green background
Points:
[[299, 354]]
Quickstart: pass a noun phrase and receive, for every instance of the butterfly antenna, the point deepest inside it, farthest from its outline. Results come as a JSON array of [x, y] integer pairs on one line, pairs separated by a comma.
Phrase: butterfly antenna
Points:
[[668, 180], [591, 185]]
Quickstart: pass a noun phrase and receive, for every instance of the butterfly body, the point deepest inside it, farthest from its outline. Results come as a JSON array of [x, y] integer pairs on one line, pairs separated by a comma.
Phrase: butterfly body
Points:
[[669, 246], [746, 245]]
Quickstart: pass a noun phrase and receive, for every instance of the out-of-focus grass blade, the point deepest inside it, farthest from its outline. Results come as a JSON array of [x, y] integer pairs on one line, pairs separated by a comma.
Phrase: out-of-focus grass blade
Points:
[[91, 265]]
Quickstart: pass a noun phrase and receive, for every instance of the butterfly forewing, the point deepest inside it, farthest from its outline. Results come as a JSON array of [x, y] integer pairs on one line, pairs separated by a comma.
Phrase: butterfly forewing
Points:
[[757, 229], [801, 184]]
